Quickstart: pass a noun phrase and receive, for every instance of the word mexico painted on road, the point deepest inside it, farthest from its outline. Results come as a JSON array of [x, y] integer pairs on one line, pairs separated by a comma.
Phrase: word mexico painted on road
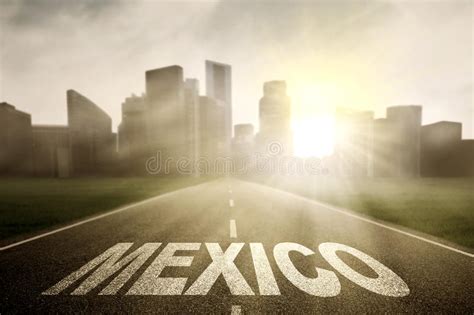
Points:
[[113, 262]]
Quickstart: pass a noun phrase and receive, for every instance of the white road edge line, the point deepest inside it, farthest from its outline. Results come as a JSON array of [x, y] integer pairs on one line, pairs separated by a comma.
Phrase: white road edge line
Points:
[[236, 310], [231, 203], [233, 229], [111, 212], [348, 213]]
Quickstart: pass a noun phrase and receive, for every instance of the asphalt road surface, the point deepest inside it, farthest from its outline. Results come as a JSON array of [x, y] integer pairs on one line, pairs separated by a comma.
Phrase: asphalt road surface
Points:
[[229, 246]]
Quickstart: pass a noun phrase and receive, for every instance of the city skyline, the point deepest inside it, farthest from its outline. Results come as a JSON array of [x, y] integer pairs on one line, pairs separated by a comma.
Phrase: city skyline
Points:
[[384, 71], [172, 121]]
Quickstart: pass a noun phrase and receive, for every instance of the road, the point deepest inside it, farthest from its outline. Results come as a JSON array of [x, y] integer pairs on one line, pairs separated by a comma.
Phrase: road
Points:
[[214, 222]]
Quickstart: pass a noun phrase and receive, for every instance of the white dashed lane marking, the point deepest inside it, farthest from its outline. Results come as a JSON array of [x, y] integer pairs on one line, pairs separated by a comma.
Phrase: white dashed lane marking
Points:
[[236, 309], [233, 229]]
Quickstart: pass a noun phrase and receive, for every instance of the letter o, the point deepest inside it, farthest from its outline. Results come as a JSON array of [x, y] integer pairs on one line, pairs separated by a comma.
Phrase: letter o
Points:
[[387, 283]]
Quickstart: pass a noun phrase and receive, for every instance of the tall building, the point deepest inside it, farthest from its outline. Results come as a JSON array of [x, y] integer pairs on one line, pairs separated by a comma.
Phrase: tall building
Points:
[[243, 133], [353, 148], [243, 147], [275, 117], [443, 152], [407, 121], [219, 87], [51, 151], [92, 141], [191, 97], [132, 135], [384, 148], [15, 141], [210, 130], [464, 158], [396, 142], [166, 112]]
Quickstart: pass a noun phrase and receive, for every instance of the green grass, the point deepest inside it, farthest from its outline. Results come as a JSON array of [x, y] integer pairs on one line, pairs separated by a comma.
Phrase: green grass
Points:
[[34, 204], [443, 207]]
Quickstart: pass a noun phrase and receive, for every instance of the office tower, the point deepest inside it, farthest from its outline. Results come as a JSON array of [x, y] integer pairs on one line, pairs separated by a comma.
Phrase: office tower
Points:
[[166, 113], [384, 148], [15, 141], [243, 145], [243, 133], [275, 117], [133, 141], [407, 122], [463, 162], [210, 127], [51, 151], [353, 148], [92, 141], [191, 98], [443, 152], [219, 87]]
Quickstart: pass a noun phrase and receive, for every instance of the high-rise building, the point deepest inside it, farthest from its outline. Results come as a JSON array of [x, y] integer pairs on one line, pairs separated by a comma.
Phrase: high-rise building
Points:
[[15, 141], [463, 163], [219, 87], [243, 133], [210, 127], [191, 96], [275, 117], [384, 148], [396, 142], [243, 147], [407, 122], [132, 134], [353, 142], [92, 141], [166, 112], [243, 141], [443, 152], [51, 151]]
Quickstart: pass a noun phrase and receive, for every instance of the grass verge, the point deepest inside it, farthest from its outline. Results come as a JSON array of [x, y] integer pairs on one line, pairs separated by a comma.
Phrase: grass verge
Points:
[[443, 207], [33, 204]]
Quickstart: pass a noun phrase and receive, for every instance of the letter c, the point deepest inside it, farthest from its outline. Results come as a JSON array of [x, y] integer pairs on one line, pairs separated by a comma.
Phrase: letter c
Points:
[[325, 285]]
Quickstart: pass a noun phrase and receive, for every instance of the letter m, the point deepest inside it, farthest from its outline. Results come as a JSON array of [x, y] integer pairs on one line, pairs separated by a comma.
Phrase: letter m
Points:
[[107, 264]]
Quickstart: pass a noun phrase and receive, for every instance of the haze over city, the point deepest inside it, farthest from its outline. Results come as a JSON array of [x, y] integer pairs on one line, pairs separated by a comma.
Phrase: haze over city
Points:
[[236, 157], [350, 54]]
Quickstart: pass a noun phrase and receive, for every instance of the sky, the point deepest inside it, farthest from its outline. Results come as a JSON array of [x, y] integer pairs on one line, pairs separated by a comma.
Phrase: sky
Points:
[[355, 54]]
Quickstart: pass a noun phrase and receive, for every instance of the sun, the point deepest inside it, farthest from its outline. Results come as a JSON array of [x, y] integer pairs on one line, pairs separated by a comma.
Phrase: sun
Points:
[[313, 120], [313, 137]]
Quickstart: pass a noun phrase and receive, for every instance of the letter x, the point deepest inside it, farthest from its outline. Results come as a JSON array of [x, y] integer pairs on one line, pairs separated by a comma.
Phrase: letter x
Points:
[[222, 263]]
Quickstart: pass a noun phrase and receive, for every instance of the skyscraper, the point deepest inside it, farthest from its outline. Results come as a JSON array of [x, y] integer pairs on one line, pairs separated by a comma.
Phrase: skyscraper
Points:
[[441, 144], [219, 87], [396, 144], [407, 122], [384, 148], [133, 141], [92, 141], [15, 140], [210, 127], [51, 151], [166, 112], [275, 117], [193, 123]]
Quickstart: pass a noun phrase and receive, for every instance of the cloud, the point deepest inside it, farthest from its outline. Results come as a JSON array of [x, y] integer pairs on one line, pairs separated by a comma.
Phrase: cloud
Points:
[[33, 13]]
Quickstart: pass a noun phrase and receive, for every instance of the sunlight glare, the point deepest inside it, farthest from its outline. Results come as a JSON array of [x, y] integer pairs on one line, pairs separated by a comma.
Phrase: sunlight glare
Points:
[[313, 120]]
